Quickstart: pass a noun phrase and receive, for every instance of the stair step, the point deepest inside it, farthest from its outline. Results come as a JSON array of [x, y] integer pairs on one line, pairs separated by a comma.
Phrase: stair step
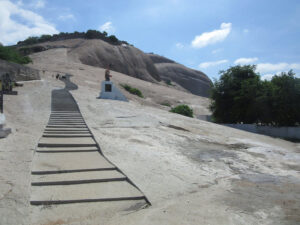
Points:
[[77, 178], [67, 135], [46, 163], [66, 149], [66, 142], [66, 126], [77, 193]]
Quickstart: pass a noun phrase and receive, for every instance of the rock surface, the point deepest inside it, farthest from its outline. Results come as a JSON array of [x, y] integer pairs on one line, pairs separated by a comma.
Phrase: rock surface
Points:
[[193, 172], [129, 60], [18, 72]]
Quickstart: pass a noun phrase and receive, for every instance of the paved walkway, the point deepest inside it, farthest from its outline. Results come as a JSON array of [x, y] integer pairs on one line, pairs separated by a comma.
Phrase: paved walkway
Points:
[[68, 166]]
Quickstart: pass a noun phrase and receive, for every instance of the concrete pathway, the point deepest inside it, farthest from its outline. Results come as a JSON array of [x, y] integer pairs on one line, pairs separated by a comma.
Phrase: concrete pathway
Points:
[[68, 166]]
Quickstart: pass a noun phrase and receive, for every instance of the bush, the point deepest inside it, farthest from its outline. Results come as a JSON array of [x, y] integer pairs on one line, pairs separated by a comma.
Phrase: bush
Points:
[[132, 90], [239, 96], [166, 104], [168, 82], [113, 39], [12, 55], [183, 110]]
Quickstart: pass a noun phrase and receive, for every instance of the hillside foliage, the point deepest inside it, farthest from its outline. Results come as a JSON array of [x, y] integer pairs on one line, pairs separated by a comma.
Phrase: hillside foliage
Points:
[[90, 34], [132, 90], [240, 96], [184, 110], [12, 55]]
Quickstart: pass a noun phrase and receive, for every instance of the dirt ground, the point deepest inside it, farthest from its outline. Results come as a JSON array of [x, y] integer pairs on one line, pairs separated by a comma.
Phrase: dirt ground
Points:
[[192, 171]]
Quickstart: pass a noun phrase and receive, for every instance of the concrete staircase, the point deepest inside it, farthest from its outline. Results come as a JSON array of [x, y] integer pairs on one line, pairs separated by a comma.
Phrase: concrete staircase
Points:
[[68, 166]]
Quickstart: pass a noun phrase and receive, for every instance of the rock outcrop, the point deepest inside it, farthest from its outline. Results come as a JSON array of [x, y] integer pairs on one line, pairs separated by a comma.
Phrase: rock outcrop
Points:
[[192, 80], [18, 72], [129, 60]]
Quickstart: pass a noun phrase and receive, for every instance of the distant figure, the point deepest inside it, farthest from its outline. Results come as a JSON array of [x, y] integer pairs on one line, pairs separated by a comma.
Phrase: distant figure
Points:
[[57, 76], [107, 73]]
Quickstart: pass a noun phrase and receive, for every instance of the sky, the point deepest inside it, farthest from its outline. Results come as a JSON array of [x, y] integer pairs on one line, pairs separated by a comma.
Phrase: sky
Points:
[[209, 36]]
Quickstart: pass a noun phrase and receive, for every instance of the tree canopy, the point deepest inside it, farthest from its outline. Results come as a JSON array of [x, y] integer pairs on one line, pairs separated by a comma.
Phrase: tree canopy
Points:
[[240, 96], [12, 55]]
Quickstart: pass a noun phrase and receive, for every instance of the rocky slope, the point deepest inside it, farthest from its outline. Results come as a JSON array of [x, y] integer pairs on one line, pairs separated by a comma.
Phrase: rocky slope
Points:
[[18, 72], [193, 172], [129, 60]]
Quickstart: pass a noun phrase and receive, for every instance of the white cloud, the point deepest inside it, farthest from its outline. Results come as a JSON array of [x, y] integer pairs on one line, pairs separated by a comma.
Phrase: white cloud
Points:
[[108, 27], [267, 76], [269, 67], [244, 61], [12, 30], [205, 65], [38, 4], [246, 31], [66, 17], [212, 37], [179, 45], [216, 51]]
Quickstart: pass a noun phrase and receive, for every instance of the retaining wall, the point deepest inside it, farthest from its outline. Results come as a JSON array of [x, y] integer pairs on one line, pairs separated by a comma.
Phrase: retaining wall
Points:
[[281, 132]]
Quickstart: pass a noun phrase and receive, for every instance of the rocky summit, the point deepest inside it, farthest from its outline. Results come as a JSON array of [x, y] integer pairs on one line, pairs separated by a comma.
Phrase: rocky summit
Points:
[[128, 60]]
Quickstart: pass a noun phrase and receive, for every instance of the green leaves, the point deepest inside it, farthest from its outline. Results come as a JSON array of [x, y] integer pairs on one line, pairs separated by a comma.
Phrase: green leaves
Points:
[[12, 55], [241, 97], [132, 90], [183, 110]]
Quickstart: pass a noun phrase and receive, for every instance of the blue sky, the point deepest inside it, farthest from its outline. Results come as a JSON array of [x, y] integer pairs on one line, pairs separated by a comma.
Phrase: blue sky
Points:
[[206, 35]]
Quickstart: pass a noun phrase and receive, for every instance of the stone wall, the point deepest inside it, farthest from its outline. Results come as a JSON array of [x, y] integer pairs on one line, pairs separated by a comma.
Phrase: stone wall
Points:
[[292, 133]]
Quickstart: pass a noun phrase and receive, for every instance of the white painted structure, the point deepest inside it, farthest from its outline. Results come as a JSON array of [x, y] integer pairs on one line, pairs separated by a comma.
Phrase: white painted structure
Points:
[[3, 131], [110, 91]]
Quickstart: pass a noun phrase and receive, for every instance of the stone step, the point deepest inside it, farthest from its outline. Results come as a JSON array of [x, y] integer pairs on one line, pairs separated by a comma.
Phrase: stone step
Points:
[[66, 142], [66, 123], [77, 178], [92, 192], [50, 163], [66, 119], [66, 149], [67, 129], [65, 114], [61, 135], [66, 126], [67, 132], [65, 111]]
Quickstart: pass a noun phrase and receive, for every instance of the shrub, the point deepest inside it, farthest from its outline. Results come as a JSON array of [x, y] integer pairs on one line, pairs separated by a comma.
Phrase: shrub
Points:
[[168, 82], [183, 110], [113, 39], [166, 104], [12, 55], [132, 90]]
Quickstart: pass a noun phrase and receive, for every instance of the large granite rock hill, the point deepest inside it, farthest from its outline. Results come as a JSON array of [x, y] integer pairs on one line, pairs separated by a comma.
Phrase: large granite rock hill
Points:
[[129, 60]]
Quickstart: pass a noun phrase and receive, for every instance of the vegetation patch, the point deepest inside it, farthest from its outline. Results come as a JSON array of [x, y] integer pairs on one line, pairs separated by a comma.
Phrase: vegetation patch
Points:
[[12, 55], [166, 104], [90, 34], [132, 90], [184, 110], [169, 82], [240, 96]]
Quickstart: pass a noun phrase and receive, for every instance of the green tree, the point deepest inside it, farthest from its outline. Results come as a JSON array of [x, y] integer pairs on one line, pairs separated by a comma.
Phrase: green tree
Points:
[[234, 95], [12, 55], [286, 99], [113, 39]]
